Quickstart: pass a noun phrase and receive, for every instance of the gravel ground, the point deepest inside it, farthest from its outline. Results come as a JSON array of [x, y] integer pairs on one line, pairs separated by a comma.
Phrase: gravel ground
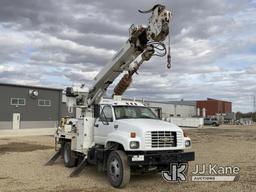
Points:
[[22, 165]]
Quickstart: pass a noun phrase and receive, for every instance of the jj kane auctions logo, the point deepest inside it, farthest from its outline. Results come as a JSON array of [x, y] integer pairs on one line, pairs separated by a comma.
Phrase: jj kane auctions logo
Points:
[[204, 172]]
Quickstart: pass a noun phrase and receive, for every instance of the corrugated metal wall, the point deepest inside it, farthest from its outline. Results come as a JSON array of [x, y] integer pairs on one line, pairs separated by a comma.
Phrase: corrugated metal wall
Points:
[[31, 114]]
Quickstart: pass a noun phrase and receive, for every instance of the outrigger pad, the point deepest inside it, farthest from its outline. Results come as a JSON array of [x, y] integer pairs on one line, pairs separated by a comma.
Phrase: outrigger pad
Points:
[[54, 158], [79, 168]]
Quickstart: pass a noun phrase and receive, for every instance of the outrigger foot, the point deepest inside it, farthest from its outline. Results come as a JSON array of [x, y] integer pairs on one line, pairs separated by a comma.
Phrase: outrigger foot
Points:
[[79, 168], [54, 158]]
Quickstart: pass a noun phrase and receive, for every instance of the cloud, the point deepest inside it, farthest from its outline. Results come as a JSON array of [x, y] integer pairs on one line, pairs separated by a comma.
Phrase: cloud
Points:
[[57, 44]]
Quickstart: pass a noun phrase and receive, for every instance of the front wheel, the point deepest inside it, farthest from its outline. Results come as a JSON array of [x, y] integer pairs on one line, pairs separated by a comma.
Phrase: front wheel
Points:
[[118, 170]]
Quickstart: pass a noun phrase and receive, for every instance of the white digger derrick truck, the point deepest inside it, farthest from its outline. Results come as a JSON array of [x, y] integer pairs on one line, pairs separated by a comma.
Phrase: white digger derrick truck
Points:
[[122, 137]]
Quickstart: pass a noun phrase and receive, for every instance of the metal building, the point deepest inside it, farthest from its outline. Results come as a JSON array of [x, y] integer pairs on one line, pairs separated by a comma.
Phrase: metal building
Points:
[[27, 107], [169, 109]]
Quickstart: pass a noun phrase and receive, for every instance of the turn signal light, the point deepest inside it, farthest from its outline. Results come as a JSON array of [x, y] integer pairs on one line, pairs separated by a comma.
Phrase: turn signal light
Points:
[[133, 134], [185, 133]]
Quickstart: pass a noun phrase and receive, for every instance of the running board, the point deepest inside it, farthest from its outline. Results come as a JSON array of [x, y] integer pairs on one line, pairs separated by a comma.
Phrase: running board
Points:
[[79, 168], [54, 158]]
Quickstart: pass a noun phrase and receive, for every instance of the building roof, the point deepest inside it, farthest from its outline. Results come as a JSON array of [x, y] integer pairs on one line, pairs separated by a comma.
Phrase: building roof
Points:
[[30, 86], [211, 99], [183, 102]]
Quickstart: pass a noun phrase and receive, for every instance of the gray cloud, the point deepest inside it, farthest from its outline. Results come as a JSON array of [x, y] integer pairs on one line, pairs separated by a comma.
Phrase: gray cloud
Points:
[[60, 43]]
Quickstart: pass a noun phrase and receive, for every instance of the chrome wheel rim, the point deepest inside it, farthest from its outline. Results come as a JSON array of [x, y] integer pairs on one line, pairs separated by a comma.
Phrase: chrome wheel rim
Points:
[[115, 169]]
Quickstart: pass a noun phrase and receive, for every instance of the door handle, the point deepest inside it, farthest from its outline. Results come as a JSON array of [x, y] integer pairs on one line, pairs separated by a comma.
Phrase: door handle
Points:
[[96, 125]]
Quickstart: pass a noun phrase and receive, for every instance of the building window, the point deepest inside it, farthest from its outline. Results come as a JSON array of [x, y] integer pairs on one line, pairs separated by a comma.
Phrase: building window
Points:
[[44, 103], [178, 115], [18, 101]]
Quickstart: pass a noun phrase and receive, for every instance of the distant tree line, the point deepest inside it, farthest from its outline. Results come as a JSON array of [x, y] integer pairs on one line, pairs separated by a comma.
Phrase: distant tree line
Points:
[[251, 115]]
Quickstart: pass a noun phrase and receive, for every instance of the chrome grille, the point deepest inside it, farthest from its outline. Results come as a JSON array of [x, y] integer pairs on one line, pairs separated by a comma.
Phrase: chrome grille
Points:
[[161, 139]]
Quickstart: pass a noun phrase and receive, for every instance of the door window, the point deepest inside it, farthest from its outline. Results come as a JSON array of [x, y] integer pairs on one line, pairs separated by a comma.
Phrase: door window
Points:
[[106, 114]]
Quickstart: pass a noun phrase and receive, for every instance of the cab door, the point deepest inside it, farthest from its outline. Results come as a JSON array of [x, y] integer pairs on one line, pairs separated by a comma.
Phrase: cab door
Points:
[[104, 124]]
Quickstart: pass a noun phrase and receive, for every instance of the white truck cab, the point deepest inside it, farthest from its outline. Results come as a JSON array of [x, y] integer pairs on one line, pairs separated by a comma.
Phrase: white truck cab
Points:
[[136, 128]]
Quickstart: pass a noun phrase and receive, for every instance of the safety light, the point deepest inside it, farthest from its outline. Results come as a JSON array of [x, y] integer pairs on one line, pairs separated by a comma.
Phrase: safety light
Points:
[[133, 134]]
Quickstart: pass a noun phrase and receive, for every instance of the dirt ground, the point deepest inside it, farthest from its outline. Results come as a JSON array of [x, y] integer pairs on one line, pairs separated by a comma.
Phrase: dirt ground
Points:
[[22, 167]]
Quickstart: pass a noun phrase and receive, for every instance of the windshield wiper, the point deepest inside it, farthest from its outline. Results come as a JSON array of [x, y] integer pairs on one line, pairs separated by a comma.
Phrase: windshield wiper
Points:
[[146, 117], [125, 117]]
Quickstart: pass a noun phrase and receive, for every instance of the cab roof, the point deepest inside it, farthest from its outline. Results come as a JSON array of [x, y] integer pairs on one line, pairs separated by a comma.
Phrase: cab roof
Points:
[[120, 102]]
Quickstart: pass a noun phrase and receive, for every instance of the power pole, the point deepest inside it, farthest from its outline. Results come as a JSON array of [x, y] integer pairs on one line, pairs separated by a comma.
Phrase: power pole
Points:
[[254, 103], [254, 108]]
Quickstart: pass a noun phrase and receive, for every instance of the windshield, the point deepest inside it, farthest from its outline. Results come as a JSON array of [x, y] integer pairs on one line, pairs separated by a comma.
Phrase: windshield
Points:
[[133, 112]]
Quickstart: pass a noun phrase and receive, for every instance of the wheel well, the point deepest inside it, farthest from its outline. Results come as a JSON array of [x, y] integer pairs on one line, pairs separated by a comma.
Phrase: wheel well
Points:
[[111, 146], [114, 145], [61, 140]]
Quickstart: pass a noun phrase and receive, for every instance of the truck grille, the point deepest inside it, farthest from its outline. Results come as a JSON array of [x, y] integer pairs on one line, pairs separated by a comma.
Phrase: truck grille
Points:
[[161, 139]]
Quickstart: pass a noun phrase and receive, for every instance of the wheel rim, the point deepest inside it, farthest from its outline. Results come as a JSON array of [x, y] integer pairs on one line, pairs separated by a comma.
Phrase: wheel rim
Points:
[[114, 169]]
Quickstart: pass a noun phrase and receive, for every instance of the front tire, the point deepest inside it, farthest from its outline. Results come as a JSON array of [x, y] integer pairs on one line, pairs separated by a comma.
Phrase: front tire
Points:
[[118, 170], [69, 160]]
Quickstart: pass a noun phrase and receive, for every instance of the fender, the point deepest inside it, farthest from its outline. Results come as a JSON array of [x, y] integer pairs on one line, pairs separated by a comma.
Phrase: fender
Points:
[[122, 138]]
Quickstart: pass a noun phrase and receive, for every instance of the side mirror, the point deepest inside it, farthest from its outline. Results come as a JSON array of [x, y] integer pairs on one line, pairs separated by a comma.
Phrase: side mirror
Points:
[[103, 119]]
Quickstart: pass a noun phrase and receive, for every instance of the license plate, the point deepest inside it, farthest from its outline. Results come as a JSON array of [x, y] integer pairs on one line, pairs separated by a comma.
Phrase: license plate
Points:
[[138, 158]]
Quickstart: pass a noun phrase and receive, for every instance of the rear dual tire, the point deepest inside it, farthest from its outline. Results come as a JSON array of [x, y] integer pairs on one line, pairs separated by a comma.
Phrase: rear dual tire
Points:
[[68, 157]]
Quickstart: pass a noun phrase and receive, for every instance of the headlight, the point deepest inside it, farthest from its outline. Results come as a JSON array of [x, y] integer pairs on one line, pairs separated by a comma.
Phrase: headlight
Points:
[[187, 143], [134, 144]]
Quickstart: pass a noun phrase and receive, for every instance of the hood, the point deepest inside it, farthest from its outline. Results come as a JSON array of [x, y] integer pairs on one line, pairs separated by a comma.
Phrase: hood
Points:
[[149, 124]]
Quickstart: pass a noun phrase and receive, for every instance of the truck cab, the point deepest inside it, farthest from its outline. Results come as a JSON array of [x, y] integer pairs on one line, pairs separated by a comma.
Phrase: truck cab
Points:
[[136, 128]]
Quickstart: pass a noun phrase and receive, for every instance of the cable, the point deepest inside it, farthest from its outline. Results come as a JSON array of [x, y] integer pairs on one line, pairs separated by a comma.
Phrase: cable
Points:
[[169, 52], [161, 51], [159, 48]]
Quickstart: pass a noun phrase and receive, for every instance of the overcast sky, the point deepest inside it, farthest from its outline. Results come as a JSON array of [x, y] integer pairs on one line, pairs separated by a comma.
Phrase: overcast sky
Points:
[[58, 43]]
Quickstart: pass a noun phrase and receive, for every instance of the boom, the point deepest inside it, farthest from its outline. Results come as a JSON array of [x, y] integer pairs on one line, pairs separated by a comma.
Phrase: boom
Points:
[[143, 41]]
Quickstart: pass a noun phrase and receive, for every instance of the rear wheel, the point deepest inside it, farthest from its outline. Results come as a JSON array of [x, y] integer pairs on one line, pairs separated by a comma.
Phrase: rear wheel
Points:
[[118, 169], [214, 124], [69, 160]]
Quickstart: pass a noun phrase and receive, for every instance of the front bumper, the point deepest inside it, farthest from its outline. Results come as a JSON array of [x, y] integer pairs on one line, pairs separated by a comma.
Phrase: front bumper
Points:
[[160, 158]]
